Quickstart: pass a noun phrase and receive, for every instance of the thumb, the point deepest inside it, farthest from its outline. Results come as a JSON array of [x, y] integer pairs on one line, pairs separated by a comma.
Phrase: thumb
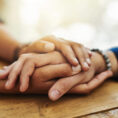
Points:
[[40, 47], [94, 83]]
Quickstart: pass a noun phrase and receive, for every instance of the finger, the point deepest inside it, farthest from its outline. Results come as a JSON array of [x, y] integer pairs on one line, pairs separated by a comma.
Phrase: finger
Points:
[[5, 71], [26, 73], [50, 72], [41, 47], [87, 58], [94, 83], [15, 71], [65, 48], [49, 58], [99, 79], [64, 85], [80, 55], [89, 52], [53, 40], [69, 54]]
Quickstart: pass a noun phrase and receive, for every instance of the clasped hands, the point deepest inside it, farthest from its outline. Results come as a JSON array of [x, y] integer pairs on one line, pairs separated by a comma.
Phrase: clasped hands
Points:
[[55, 66]]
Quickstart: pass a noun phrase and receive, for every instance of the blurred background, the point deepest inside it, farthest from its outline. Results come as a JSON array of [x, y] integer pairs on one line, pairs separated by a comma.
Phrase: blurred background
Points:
[[93, 23]]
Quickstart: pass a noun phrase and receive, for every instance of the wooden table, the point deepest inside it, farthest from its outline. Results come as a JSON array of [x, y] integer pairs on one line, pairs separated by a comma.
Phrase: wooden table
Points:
[[102, 103], [107, 114]]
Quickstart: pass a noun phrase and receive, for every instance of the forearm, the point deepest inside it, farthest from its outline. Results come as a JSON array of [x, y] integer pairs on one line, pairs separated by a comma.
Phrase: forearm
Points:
[[7, 45]]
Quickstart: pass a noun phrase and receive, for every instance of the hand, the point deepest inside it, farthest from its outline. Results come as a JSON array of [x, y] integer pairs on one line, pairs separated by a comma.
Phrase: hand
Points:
[[39, 86], [63, 85], [38, 46], [86, 88], [26, 65], [42, 80], [35, 47], [75, 53], [86, 82], [69, 49], [44, 75]]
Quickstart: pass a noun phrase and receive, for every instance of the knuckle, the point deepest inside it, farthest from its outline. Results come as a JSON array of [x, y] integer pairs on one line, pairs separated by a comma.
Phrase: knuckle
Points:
[[15, 71], [29, 61], [26, 56], [56, 58], [63, 87], [76, 44], [81, 56], [56, 53], [68, 70], [82, 59], [21, 78], [39, 74], [23, 56], [72, 60], [64, 45]]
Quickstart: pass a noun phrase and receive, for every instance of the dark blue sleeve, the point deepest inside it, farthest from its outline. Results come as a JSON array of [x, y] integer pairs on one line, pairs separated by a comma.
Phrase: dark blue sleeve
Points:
[[115, 51]]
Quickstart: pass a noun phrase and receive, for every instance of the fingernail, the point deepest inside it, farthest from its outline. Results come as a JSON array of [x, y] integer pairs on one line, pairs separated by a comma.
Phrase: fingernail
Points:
[[55, 94], [76, 69], [86, 65], [90, 53], [88, 61], [7, 84], [21, 89], [75, 60]]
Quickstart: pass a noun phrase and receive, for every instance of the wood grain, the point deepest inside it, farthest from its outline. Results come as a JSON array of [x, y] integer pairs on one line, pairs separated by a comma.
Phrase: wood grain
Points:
[[107, 114], [69, 106]]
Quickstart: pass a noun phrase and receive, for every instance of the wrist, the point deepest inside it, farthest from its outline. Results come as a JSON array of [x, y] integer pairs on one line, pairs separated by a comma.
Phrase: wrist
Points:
[[20, 50], [16, 53], [100, 65], [98, 62], [23, 49]]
